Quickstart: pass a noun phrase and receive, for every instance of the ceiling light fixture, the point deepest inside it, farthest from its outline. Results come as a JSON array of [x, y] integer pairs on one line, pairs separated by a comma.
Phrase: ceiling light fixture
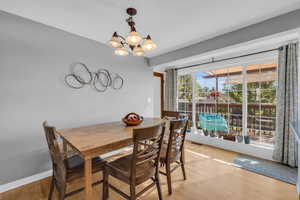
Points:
[[137, 44]]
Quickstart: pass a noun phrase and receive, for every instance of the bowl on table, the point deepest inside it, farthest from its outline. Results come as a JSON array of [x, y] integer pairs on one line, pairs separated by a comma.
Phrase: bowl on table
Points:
[[132, 119]]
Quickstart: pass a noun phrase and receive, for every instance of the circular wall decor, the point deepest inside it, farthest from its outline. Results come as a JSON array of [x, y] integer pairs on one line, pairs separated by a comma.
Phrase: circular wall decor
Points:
[[117, 82], [82, 73], [73, 82], [101, 80]]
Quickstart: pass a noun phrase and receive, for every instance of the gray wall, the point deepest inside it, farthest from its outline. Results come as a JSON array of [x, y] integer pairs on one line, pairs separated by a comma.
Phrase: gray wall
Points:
[[269, 27], [33, 61]]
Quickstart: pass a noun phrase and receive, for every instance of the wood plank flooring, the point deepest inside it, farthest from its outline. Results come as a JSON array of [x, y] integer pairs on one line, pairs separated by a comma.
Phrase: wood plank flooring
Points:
[[211, 176]]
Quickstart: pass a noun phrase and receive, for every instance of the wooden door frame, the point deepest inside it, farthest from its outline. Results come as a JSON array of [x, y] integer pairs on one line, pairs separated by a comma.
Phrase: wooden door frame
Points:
[[161, 76]]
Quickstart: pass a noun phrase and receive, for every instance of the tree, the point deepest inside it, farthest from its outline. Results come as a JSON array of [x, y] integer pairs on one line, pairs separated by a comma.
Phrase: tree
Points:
[[263, 92], [185, 87], [258, 92]]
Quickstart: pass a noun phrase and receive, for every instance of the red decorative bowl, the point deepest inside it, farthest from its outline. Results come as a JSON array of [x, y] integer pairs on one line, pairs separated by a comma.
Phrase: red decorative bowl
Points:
[[132, 119]]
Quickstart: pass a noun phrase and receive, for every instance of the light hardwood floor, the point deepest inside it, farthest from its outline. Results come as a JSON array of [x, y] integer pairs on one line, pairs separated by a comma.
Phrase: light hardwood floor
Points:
[[211, 176]]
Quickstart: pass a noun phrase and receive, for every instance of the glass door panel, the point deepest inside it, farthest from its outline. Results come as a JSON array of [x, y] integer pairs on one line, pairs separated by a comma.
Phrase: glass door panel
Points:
[[261, 95], [185, 96], [235, 92], [205, 103], [218, 99]]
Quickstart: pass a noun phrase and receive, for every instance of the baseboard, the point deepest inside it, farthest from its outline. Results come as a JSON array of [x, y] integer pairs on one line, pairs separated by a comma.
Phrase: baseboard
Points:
[[24, 181], [37, 177]]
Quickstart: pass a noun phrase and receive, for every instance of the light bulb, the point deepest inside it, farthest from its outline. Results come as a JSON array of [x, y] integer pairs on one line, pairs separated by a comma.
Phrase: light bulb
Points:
[[133, 38], [138, 51], [149, 44], [121, 51], [114, 41]]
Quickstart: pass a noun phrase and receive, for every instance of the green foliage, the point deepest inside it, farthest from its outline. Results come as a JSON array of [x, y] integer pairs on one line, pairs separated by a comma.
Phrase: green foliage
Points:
[[185, 87], [185, 90], [258, 92], [263, 92]]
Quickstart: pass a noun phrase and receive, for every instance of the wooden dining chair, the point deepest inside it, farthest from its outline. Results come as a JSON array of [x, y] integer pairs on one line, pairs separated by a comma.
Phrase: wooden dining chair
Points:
[[172, 151], [170, 114], [66, 169], [140, 166]]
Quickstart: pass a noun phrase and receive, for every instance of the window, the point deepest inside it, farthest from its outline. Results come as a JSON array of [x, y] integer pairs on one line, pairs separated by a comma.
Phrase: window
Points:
[[185, 95], [232, 101]]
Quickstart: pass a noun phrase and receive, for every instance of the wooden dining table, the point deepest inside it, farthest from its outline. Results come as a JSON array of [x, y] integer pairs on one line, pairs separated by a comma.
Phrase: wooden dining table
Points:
[[94, 140]]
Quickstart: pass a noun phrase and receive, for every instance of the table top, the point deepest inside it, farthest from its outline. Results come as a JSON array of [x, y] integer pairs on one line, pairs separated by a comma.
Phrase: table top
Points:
[[98, 139]]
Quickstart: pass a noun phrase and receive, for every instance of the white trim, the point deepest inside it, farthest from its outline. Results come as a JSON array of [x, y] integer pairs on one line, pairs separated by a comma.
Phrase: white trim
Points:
[[248, 149], [245, 102], [244, 61], [25, 181], [193, 101]]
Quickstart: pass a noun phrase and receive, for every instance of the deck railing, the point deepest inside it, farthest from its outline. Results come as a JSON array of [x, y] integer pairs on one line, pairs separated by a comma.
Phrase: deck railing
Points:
[[261, 120]]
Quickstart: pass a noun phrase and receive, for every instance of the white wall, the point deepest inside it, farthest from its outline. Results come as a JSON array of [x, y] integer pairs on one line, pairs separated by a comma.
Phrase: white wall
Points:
[[33, 61]]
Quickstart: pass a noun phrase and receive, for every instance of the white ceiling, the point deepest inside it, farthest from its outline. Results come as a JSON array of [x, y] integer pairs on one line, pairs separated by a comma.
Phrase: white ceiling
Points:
[[172, 24]]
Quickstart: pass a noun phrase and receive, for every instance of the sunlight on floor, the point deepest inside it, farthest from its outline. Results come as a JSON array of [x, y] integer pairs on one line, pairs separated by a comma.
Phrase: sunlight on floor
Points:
[[198, 154], [214, 159]]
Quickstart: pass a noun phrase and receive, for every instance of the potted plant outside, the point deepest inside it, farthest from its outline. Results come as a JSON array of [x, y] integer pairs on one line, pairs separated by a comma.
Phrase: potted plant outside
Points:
[[247, 139], [205, 132], [221, 134], [239, 138], [229, 137], [212, 134]]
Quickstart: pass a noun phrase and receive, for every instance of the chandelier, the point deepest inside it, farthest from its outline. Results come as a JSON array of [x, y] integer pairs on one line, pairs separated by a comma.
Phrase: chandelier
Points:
[[133, 42]]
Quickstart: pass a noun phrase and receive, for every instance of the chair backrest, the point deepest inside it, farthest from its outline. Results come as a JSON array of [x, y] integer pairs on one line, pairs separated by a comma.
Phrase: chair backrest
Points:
[[170, 114], [57, 156], [176, 139], [147, 145]]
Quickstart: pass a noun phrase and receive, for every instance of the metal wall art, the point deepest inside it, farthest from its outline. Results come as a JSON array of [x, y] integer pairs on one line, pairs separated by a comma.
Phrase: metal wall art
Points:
[[80, 75]]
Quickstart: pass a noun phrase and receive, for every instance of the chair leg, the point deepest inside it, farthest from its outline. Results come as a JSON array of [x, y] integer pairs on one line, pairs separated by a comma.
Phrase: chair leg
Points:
[[132, 192], [62, 194], [51, 189], [183, 171], [182, 160], [105, 191], [168, 170], [61, 191], [157, 181]]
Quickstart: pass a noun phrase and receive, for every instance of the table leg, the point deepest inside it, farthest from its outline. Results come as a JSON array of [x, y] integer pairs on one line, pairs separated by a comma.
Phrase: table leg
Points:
[[88, 179]]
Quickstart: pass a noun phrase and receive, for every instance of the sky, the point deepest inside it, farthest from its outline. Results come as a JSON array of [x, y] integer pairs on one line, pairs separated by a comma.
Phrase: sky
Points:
[[209, 82]]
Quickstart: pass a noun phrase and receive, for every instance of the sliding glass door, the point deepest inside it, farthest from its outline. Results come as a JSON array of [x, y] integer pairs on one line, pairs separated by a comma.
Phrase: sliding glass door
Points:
[[232, 101]]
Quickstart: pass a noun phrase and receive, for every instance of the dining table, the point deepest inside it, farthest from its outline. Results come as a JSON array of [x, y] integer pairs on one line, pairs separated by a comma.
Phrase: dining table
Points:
[[94, 140]]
